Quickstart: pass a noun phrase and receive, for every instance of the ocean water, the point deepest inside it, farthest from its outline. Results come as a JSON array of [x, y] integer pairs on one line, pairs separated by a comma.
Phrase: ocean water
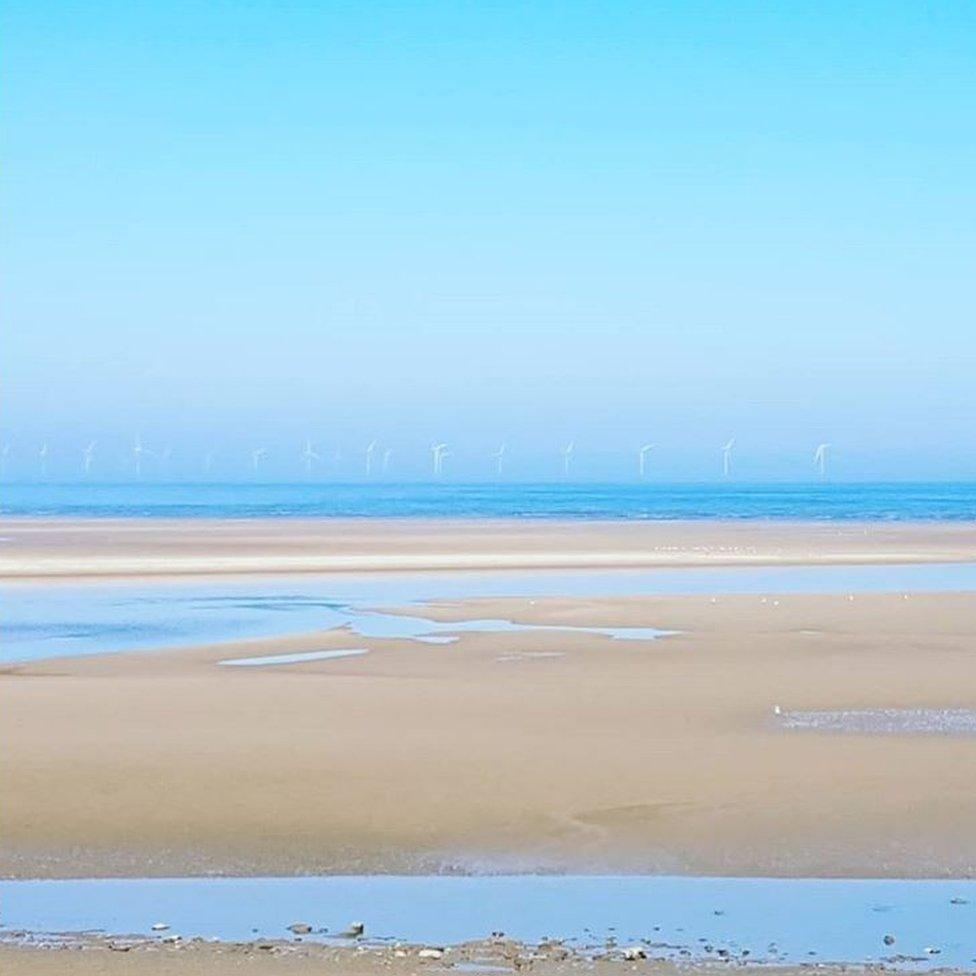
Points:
[[888, 501]]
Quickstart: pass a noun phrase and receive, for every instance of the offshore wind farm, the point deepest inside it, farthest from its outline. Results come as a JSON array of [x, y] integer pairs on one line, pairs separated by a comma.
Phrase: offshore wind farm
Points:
[[281, 462]]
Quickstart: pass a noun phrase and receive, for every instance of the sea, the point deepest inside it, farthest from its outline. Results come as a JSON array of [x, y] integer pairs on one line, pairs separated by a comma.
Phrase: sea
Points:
[[886, 501]]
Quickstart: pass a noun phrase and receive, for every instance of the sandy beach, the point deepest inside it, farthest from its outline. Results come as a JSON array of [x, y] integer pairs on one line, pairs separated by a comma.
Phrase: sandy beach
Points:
[[547, 750]]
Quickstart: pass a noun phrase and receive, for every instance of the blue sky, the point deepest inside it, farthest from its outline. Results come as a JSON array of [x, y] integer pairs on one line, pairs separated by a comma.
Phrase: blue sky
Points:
[[239, 224]]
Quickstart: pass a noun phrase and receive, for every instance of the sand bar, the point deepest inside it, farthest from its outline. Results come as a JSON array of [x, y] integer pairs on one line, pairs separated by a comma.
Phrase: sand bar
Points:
[[59, 548]]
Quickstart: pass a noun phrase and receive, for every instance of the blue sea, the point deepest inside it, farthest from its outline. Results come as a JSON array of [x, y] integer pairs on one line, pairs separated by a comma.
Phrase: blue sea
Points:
[[892, 501]]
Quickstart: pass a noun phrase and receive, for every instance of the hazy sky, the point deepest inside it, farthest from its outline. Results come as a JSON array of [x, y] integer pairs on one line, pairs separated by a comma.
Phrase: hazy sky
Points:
[[232, 224]]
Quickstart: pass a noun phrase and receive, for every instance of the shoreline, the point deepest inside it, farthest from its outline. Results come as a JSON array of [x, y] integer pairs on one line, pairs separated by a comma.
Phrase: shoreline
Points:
[[79, 955]]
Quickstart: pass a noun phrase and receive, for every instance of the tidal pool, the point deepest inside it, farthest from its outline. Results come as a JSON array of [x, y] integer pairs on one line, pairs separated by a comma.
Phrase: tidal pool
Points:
[[759, 919], [54, 620]]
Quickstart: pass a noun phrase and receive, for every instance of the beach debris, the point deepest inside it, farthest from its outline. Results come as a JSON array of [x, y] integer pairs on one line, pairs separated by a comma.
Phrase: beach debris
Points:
[[354, 931], [430, 953], [634, 952], [159, 926], [299, 928], [889, 940]]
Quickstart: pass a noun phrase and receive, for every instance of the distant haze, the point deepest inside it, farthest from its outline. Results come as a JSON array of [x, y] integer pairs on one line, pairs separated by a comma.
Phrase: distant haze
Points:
[[236, 227]]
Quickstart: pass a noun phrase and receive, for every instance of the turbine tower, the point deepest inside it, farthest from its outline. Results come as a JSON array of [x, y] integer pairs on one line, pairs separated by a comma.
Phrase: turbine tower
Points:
[[257, 457], [642, 459], [568, 457], [4, 454], [138, 453], [208, 460], [43, 454], [439, 452], [387, 454], [88, 457], [309, 457], [727, 458], [820, 460], [499, 458], [370, 451]]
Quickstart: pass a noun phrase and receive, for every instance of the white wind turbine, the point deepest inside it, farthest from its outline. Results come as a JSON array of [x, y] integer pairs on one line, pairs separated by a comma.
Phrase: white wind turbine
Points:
[[439, 452], [309, 457], [567, 453], [820, 460], [387, 455], [499, 458], [88, 457], [370, 451], [257, 457], [642, 455], [42, 455], [208, 460], [4, 454], [138, 453], [727, 458]]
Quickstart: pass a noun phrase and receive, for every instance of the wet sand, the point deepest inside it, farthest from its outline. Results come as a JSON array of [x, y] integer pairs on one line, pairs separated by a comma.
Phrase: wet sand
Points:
[[107, 957], [49, 548], [508, 751]]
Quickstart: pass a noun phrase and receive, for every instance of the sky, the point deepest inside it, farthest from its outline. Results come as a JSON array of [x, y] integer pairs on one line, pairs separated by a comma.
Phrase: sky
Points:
[[238, 225]]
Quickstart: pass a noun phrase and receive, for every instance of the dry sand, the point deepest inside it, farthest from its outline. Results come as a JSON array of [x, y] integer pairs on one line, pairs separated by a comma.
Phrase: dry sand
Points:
[[93, 547]]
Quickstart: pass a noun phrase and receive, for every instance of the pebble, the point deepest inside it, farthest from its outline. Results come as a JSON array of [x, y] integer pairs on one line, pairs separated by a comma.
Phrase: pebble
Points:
[[889, 940], [354, 931], [430, 954], [159, 927], [299, 928], [634, 952]]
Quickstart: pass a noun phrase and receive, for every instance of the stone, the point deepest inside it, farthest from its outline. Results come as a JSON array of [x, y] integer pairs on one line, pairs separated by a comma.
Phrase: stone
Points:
[[430, 953], [299, 928], [159, 927], [889, 940], [634, 952]]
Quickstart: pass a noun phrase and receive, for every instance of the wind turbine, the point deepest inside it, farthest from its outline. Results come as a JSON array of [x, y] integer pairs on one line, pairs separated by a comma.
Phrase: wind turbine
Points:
[[499, 458], [370, 451], [4, 454], [439, 452], [387, 454], [820, 460], [88, 457], [43, 454], [257, 457], [138, 453], [727, 458], [642, 458], [208, 460], [309, 457], [567, 453]]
